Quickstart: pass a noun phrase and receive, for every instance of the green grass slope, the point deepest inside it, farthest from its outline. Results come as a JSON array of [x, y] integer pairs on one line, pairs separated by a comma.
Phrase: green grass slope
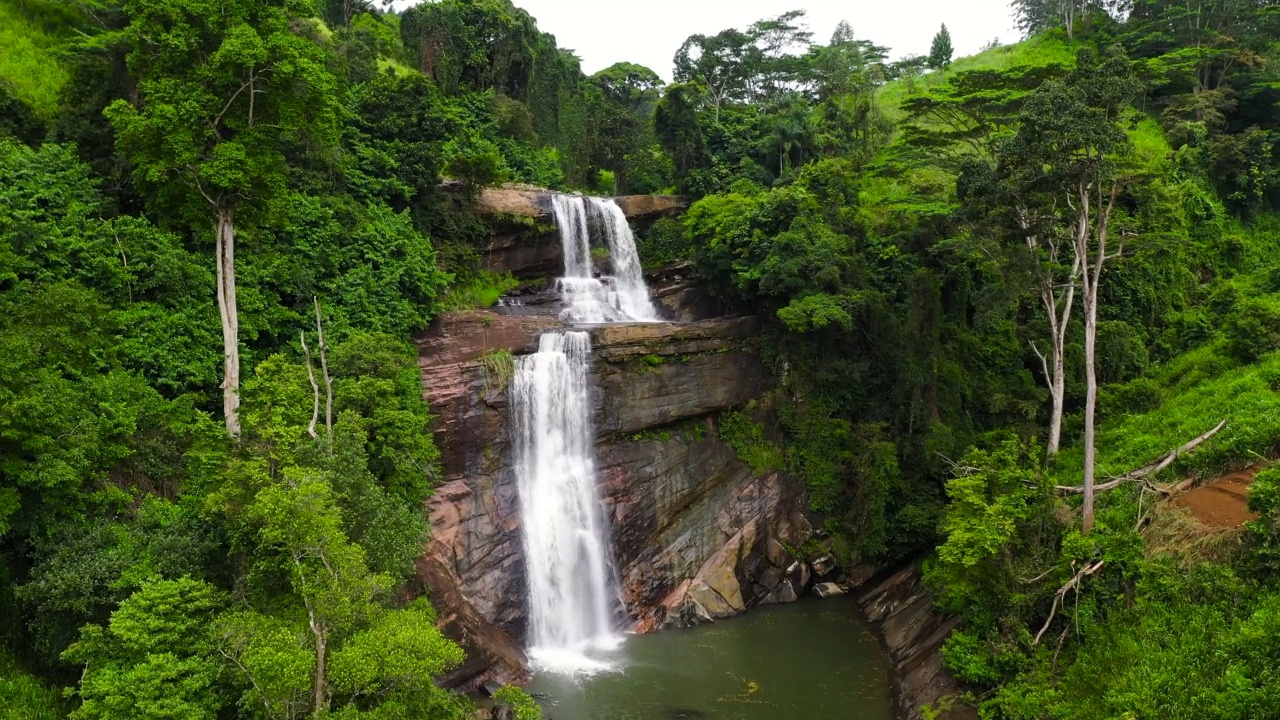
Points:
[[1044, 49], [29, 67], [22, 697]]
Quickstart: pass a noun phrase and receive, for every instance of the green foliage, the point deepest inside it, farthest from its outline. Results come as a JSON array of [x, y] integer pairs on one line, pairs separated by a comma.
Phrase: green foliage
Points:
[[663, 243], [24, 697], [523, 706], [746, 436], [29, 65], [478, 290], [197, 138], [154, 659], [999, 509], [499, 368]]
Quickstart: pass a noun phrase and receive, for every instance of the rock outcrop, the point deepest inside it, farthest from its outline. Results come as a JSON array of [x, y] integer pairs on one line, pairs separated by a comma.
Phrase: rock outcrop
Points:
[[524, 241], [531, 202], [696, 535], [913, 631]]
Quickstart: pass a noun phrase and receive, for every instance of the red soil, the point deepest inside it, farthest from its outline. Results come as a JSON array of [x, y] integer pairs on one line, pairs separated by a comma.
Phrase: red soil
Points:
[[1222, 503]]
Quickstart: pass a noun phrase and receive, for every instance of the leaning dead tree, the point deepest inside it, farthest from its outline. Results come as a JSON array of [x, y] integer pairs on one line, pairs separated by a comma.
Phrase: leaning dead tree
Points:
[[1072, 584], [322, 349], [1149, 469]]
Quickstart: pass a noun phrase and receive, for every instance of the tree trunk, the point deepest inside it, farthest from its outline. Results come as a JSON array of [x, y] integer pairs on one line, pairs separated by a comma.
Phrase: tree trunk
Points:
[[1057, 391], [321, 690], [226, 242], [1058, 310], [1094, 234], [1091, 395]]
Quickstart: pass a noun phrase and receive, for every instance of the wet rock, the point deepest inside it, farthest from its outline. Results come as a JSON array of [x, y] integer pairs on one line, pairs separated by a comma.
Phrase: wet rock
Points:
[[491, 688], [798, 575], [913, 631], [827, 590], [685, 714], [824, 566], [860, 575], [696, 535]]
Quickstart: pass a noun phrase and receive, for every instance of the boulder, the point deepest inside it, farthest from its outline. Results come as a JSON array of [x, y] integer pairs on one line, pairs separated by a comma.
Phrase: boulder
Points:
[[823, 566], [827, 590]]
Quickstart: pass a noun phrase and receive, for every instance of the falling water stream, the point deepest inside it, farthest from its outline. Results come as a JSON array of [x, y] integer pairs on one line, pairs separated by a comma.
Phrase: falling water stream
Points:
[[620, 297], [565, 538], [571, 588]]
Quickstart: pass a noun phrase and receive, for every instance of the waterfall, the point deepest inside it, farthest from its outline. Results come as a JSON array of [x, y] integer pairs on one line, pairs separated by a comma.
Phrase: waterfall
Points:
[[565, 537], [566, 544], [620, 297]]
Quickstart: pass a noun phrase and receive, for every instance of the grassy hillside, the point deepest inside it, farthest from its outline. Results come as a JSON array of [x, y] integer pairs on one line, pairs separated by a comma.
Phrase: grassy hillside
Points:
[[29, 66], [1043, 49], [23, 697]]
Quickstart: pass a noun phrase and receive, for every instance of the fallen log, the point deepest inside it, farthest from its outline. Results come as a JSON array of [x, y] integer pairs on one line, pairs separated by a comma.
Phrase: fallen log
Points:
[[1147, 470]]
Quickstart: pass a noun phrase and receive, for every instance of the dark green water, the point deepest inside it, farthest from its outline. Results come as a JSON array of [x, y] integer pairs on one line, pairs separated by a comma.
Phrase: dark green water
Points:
[[809, 659]]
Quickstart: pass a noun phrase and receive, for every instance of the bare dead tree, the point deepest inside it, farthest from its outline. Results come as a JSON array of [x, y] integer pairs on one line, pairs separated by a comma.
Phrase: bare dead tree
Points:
[[315, 388], [323, 349]]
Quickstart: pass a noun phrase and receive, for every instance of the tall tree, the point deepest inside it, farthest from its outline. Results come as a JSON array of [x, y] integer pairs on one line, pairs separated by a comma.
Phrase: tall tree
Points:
[[225, 88], [621, 113], [940, 52], [1071, 139], [720, 63], [1039, 15]]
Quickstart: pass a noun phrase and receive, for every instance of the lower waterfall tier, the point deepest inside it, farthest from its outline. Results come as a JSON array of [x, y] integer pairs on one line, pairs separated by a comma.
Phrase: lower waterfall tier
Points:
[[696, 534]]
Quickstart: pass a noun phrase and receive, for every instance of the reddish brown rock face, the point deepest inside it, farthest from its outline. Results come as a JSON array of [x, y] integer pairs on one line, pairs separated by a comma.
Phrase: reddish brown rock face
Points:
[[695, 534]]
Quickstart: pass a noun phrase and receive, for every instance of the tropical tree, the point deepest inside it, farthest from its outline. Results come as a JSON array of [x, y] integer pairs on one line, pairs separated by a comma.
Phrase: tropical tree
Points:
[[225, 88], [1071, 147]]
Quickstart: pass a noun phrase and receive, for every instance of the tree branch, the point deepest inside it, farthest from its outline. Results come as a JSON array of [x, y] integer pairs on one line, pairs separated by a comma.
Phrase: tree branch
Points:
[[315, 388], [1150, 469], [1074, 582]]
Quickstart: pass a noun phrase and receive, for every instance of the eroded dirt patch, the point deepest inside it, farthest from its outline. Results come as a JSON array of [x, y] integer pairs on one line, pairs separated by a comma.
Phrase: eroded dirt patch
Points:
[[1222, 503]]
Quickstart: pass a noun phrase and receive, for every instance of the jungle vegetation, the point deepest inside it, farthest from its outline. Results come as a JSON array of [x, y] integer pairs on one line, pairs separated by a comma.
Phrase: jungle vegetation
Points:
[[987, 281]]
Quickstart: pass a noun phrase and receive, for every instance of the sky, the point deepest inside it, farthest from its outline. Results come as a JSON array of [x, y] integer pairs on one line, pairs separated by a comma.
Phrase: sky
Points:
[[648, 32]]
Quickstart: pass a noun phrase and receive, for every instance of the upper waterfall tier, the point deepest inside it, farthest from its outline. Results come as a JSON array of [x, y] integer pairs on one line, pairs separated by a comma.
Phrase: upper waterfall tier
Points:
[[620, 297]]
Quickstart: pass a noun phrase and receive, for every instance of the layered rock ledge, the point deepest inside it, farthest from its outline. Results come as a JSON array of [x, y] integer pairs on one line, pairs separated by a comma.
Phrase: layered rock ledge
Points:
[[913, 631], [534, 202], [696, 535], [524, 240]]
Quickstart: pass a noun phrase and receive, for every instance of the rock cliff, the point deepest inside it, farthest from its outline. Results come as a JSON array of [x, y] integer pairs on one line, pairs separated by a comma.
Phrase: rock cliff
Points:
[[913, 631], [696, 535]]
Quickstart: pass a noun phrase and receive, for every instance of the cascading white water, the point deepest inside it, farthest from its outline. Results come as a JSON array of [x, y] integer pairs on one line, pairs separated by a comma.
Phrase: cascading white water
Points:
[[565, 537], [587, 299], [632, 293], [566, 545]]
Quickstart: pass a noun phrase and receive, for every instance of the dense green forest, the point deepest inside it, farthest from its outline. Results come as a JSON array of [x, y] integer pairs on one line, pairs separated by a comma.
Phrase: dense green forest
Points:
[[992, 287]]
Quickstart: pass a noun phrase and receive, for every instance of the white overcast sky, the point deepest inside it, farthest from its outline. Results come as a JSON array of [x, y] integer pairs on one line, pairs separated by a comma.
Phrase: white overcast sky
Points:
[[648, 32]]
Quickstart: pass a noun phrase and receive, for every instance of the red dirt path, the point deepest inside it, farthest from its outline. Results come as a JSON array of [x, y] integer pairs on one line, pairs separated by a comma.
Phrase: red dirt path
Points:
[[1222, 503]]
